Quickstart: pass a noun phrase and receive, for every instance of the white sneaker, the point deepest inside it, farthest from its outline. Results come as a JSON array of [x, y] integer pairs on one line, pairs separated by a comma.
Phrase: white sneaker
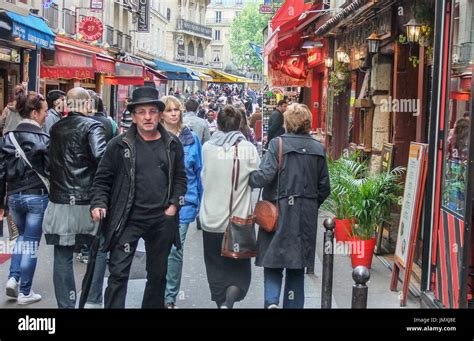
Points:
[[93, 306], [28, 299], [12, 287], [273, 306], [224, 307]]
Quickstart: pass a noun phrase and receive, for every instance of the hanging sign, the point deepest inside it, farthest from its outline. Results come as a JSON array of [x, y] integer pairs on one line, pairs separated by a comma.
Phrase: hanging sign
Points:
[[97, 5], [143, 23], [91, 28]]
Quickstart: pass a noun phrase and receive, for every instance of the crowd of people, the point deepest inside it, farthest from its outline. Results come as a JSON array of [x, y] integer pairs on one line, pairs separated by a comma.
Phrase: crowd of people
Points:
[[171, 162]]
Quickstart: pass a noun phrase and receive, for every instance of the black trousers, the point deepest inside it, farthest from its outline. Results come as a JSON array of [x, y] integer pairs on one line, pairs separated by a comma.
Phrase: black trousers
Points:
[[159, 236]]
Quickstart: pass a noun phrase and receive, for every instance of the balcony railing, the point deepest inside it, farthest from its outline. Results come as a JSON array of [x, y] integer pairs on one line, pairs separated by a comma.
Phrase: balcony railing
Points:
[[224, 21], [52, 15], [69, 19], [466, 52], [217, 65], [192, 27]]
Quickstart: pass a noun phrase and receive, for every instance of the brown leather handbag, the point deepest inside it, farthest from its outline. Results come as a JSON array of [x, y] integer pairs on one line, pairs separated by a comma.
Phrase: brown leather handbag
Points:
[[240, 239], [266, 212]]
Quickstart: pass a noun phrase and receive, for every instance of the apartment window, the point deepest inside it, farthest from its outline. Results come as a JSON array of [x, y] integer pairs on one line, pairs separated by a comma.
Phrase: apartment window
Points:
[[219, 2], [52, 15], [109, 35], [119, 39], [239, 2], [168, 14], [218, 17], [217, 35], [128, 43], [69, 19]]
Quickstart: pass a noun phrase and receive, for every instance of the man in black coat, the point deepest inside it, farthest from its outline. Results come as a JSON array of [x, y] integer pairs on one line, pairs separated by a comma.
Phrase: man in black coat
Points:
[[275, 124], [77, 144], [139, 187]]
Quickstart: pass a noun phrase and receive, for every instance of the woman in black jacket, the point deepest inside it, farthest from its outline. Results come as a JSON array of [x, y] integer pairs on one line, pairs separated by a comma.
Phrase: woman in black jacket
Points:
[[300, 188], [23, 164]]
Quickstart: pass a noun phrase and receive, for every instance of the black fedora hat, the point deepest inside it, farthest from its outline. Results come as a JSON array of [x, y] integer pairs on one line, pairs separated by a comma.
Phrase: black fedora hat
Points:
[[145, 95]]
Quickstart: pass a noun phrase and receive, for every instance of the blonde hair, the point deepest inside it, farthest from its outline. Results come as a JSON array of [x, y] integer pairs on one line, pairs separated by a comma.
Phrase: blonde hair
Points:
[[168, 100], [298, 119]]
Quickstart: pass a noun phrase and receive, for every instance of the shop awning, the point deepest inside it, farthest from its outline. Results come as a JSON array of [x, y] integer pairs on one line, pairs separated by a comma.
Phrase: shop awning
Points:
[[127, 74], [69, 63], [290, 31], [152, 74], [224, 77], [32, 29], [203, 74], [338, 18], [105, 64], [176, 72]]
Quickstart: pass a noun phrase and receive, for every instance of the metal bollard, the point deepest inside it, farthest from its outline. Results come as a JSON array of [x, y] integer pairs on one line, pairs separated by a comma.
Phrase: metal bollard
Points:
[[328, 263], [361, 276]]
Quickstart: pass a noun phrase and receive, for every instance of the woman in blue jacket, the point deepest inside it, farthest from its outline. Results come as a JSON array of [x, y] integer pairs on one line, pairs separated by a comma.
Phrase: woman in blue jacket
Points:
[[173, 121]]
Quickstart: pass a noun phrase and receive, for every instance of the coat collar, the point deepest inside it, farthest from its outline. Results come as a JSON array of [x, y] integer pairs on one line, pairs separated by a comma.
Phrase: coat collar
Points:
[[26, 127]]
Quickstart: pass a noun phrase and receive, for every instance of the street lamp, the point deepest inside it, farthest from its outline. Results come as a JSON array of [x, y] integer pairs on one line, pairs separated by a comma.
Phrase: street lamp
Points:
[[374, 42], [413, 30]]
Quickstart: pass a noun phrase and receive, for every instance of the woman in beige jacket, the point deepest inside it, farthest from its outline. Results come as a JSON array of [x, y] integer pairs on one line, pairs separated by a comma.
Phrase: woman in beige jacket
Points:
[[229, 279]]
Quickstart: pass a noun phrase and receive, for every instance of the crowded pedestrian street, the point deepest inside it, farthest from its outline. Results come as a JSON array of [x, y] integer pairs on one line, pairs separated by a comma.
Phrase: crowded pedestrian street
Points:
[[253, 155]]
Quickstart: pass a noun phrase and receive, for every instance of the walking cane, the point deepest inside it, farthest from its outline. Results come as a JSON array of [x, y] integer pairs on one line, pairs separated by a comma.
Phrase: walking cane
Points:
[[87, 280]]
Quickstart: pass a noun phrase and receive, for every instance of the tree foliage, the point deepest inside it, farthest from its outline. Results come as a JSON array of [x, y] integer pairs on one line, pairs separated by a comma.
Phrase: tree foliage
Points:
[[247, 27]]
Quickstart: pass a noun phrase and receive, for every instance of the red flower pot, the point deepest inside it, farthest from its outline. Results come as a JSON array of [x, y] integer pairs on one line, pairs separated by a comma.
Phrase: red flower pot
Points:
[[362, 252], [343, 230]]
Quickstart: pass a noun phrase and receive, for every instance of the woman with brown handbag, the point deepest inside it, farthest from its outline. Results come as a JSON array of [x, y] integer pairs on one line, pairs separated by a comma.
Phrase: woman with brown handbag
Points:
[[298, 186], [228, 160]]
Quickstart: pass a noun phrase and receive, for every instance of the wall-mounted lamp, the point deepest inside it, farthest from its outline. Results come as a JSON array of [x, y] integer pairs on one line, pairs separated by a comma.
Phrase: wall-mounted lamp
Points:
[[373, 42], [413, 31], [328, 62], [341, 55]]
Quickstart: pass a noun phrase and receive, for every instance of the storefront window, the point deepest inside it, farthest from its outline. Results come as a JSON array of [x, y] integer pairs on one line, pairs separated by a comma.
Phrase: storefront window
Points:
[[458, 118]]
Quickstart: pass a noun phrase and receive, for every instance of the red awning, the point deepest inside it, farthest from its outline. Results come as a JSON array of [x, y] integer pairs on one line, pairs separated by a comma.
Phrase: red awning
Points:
[[69, 63], [124, 80], [105, 64], [290, 9], [152, 74], [287, 37], [127, 74]]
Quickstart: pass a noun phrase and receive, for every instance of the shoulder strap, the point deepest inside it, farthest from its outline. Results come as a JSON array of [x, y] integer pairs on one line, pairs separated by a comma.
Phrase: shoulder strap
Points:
[[23, 156], [235, 177], [280, 161]]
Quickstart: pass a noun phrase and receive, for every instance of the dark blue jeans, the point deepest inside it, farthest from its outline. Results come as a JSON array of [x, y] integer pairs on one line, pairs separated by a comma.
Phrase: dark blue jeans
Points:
[[293, 295], [27, 212]]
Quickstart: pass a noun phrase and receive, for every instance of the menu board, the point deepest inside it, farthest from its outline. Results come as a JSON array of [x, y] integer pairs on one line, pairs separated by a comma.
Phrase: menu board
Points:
[[412, 196]]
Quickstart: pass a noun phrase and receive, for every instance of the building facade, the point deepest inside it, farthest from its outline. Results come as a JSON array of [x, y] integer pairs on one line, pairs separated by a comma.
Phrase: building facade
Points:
[[220, 15]]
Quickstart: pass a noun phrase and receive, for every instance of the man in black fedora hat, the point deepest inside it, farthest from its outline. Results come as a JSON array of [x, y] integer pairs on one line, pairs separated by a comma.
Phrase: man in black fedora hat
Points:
[[139, 186]]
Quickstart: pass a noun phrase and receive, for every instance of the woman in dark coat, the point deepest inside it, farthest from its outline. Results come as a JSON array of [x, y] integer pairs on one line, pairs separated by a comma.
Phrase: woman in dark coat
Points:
[[303, 187]]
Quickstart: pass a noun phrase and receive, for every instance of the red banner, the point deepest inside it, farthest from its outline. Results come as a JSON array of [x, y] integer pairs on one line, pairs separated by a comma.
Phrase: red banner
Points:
[[70, 64]]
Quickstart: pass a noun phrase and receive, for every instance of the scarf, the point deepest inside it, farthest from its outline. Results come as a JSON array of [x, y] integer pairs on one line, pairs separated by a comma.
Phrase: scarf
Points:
[[226, 140]]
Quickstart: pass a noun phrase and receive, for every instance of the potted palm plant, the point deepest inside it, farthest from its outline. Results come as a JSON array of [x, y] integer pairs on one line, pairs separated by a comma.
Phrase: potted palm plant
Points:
[[372, 200], [342, 173]]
